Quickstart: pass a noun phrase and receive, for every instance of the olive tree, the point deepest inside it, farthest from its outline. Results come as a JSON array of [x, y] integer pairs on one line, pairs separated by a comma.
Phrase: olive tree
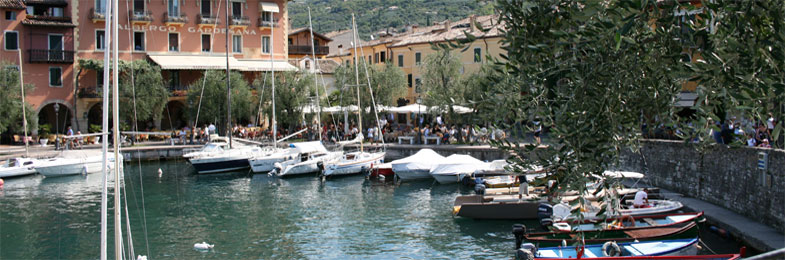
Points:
[[207, 98], [11, 102], [293, 91]]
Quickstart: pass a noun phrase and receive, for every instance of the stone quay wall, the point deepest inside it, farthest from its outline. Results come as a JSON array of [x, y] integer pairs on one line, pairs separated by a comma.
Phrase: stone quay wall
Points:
[[724, 176]]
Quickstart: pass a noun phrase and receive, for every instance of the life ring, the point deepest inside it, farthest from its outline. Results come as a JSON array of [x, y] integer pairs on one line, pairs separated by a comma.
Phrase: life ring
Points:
[[610, 248], [627, 218]]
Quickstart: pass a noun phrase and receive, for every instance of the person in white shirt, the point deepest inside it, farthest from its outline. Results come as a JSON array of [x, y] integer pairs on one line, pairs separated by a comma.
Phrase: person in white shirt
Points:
[[641, 199]]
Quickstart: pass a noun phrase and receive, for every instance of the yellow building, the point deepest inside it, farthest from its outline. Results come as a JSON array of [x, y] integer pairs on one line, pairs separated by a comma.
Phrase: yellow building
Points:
[[409, 49]]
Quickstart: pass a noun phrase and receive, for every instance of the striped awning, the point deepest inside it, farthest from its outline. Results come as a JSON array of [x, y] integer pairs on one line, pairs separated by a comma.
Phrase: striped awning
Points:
[[202, 62], [269, 7], [266, 65]]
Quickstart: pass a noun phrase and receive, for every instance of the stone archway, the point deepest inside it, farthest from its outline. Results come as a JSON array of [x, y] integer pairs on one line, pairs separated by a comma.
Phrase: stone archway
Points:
[[58, 120], [173, 116], [95, 117]]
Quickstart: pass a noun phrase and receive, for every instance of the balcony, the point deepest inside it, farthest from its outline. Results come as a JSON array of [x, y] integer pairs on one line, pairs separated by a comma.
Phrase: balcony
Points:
[[178, 91], [51, 56], [97, 16], [266, 24], [175, 19], [140, 16], [47, 20], [241, 21], [60, 3], [306, 49], [206, 19]]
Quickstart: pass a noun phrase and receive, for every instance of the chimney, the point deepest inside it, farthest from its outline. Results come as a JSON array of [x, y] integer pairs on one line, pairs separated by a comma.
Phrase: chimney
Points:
[[472, 21], [447, 25]]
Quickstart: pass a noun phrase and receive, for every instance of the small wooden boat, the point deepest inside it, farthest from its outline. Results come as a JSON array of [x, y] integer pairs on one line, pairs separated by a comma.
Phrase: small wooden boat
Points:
[[621, 229], [613, 250], [562, 211], [497, 207]]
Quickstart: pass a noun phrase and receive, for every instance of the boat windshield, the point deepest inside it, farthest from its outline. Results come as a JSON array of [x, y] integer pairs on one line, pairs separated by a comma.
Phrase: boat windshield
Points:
[[212, 148]]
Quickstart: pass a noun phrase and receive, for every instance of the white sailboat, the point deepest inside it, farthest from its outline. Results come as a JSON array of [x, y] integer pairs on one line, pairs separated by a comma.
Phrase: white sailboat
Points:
[[358, 161], [16, 167], [74, 162]]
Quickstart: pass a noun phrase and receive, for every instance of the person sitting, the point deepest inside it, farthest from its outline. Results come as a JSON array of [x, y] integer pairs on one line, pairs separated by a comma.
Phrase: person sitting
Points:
[[79, 140], [641, 199]]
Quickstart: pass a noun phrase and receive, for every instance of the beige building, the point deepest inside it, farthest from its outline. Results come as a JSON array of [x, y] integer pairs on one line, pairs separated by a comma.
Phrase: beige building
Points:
[[408, 50]]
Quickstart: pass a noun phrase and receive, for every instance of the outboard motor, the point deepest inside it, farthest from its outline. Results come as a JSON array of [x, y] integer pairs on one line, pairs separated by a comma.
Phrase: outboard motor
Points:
[[479, 189], [544, 214], [519, 230]]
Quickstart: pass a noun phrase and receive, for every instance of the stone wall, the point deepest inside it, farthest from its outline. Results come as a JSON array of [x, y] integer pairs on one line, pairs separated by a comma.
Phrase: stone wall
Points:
[[727, 177]]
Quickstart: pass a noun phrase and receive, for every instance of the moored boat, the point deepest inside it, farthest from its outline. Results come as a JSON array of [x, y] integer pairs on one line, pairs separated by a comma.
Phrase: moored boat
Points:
[[417, 166], [353, 163], [16, 167], [217, 156], [310, 157], [455, 167], [497, 207], [74, 163], [562, 211], [633, 250]]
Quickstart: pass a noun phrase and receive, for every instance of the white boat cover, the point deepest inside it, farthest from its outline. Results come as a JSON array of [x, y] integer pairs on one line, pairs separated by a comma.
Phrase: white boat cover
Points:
[[459, 164], [623, 175], [423, 160], [309, 147]]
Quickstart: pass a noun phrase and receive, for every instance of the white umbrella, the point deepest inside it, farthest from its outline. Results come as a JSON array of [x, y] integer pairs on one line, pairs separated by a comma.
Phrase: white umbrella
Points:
[[413, 108]]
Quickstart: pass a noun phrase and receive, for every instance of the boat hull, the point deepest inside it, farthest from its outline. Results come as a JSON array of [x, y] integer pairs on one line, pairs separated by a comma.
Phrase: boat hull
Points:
[[75, 167], [298, 169], [410, 175], [16, 171], [216, 165], [265, 165], [473, 206], [678, 247], [353, 166], [448, 178]]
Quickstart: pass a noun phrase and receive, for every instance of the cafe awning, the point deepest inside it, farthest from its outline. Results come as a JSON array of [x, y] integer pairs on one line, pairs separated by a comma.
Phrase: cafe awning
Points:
[[269, 7], [194, 62], [265, 65]]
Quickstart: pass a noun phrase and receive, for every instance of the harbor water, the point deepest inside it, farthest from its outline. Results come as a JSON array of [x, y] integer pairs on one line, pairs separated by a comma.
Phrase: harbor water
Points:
[[253, 217]]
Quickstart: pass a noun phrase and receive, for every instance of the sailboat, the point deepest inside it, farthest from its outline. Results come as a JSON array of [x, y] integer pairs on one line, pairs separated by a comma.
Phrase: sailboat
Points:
[[358, 161], [311, 156]]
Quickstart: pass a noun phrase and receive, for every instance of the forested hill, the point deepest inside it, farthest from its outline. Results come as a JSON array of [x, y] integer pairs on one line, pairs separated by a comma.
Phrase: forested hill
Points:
[[375, 15]]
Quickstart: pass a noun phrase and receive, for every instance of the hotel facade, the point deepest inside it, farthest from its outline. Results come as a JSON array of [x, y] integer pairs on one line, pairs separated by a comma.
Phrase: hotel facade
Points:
[[183, 37]]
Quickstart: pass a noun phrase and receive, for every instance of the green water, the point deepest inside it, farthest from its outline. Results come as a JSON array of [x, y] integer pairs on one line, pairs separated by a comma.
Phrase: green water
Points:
[[247, 217]]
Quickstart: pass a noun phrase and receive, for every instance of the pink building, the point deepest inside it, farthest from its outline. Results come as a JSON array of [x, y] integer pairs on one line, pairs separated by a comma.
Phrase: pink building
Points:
[[184, 37]]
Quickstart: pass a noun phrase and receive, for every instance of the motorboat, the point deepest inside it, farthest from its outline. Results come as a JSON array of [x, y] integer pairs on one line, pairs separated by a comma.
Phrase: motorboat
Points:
[[673, 247], [562, 211], [16, 167], [620, 229], [417, 166], [353, 163], [455, 167], [497, 207], [382, 170], [216, 156], [310, 158], [75, 162], [265, 160]]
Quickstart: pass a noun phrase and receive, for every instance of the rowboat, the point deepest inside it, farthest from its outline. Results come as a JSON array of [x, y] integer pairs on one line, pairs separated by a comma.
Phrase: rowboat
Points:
[[620, 229], [562, 211], [636, 250]]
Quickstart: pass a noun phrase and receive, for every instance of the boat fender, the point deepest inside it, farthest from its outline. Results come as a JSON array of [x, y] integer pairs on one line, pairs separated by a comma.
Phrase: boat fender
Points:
[[1, 183], [84, 169], [479, 189], [526, 252], [519, 230], [141, 257], [610, 248], [160, 173], [203, 246]]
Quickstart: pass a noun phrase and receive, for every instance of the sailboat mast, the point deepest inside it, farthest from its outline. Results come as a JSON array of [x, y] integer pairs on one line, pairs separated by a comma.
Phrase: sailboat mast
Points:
[[105, 125], [357, 80], [116, 134], [24, 113], [315, 80], [272, 79], [228, 87]]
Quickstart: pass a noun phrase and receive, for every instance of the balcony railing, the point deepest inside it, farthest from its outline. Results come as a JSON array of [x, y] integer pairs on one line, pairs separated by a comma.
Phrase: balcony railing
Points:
[[262, 23], [51, 56], [240, 21], [306, 49], [207, 19], [175, 18], [97, 15], [49, 18], [140, 16]]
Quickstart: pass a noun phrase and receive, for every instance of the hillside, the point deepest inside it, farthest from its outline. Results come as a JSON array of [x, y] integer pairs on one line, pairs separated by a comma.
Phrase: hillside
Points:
[[375, 15]]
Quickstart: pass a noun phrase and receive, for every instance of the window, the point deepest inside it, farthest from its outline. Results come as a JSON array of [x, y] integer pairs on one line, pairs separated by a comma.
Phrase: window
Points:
[[174, 8], [383, 57], [237, 43], [308, 65], [55, 77], [100, 40], [477, 55], [291, 41], [265, 44], [139, 41], [10, 15], [206, 7], [410, 80], [237, 9], [369, 59], [100, 6], [400, 63], [138, 6], [417, 58], [417, 85], [267, 17], [11, 40], [174, 42], [315, 42], [174, 79], [56, 11], [348, 62], [206, 43], [99, 78], [376, 58]]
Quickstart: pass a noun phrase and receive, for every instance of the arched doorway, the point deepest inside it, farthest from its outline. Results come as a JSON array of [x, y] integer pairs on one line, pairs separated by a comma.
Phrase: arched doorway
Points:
[[173, 116], [56, 117], [95, 118]]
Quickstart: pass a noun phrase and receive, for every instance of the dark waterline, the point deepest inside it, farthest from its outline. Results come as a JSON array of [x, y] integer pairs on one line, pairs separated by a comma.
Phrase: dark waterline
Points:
[[252, 217]]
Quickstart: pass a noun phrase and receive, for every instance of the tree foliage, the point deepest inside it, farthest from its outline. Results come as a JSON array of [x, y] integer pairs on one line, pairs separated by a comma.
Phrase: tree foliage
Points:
[[142, 88], [293, 91], [11, 102], [388, 84], [213, 100], [590, 71], [442, 80]]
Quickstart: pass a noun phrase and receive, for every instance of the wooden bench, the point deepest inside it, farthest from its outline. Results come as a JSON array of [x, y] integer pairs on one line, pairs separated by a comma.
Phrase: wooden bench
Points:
[[408, 138], [436, 138]]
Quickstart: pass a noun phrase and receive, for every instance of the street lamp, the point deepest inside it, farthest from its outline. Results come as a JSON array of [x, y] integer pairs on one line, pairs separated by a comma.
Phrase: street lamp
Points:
[[419, 102], [57, 119]]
